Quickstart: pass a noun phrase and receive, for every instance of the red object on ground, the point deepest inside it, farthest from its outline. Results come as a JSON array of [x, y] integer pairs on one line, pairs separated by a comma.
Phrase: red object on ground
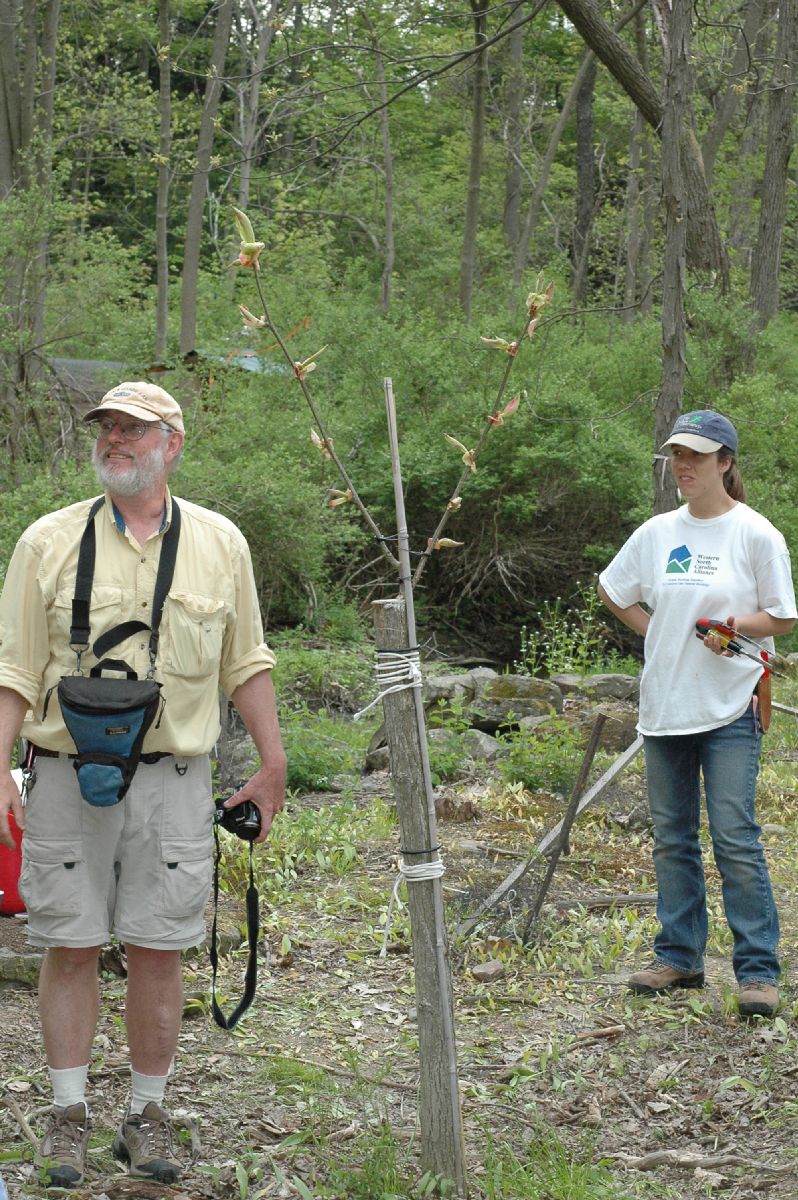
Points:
[[10, 867]]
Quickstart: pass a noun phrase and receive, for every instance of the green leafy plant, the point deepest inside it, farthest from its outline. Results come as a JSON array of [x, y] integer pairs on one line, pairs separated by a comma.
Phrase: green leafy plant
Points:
[[548, 1168], [546, 758], [447, 751], [570, 639]]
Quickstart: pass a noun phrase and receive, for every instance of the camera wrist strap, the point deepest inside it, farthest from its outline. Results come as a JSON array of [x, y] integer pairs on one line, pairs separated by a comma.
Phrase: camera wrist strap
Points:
[[253, 932]]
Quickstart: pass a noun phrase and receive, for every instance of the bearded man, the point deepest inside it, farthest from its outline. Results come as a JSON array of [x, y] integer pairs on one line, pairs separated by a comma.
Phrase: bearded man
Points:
[[139, 868]]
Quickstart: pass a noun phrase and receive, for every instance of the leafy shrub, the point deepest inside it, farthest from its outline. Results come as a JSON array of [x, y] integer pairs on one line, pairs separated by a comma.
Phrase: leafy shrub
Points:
[[571, 639], [544, 759], [318, 748]]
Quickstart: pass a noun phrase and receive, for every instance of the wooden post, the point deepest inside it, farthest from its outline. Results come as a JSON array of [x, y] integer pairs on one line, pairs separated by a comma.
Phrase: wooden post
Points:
[[440, 1118], [438, 1093]]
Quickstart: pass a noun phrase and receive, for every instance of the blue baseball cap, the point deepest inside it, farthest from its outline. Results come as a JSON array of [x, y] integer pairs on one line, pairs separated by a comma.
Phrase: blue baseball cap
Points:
[[703, 431]]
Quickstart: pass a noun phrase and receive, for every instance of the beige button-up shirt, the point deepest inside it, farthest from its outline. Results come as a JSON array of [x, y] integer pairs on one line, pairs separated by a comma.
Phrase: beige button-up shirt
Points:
[[211, 634]]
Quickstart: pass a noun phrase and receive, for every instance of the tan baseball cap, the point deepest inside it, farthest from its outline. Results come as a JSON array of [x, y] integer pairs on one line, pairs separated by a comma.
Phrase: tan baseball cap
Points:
[[146, 401]]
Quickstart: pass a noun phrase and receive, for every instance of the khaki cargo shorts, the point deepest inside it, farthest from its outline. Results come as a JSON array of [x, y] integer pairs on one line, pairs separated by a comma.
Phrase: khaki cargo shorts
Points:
[[141, 869]]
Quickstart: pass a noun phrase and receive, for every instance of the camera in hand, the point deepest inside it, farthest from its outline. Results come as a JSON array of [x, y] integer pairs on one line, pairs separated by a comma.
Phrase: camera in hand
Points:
[[243, 820]]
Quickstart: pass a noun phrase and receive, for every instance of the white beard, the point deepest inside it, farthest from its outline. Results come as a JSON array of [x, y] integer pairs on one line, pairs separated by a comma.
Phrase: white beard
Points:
[[129, 479]]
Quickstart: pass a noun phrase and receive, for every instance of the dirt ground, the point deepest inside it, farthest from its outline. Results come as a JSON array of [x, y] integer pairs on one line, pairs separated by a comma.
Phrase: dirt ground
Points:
[[679, 1096]]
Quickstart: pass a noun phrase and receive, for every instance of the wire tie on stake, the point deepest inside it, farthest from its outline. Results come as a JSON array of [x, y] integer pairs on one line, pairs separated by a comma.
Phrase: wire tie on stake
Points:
[[420, 873], [397, 670]]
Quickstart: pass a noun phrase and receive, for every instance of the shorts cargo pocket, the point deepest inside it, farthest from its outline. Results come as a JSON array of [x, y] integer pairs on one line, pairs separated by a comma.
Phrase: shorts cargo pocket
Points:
[[186, 869], [51, 876]]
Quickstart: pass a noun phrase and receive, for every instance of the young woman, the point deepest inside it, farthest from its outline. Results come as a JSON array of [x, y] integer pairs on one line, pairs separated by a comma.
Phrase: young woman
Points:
[[714, 557]]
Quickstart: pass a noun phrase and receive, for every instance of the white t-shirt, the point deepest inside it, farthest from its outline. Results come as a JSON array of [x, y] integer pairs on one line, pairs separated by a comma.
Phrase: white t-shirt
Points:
[[684, 569]]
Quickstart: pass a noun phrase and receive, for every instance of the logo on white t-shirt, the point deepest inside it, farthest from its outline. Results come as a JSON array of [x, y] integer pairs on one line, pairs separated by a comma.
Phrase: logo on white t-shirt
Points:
[[679, 561]]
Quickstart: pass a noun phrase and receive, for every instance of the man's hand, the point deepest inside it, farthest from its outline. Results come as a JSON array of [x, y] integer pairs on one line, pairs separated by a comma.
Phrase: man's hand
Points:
[[266, 790], [255, 701], [10, 801]]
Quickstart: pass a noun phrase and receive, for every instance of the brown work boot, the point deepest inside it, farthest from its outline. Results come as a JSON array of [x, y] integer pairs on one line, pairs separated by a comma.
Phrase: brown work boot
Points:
[[62, 1152], [757, 998], [145, 1141], [660, 977]]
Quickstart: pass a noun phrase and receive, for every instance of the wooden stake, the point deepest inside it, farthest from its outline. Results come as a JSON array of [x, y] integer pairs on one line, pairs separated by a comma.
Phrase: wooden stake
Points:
[[440, 1118]]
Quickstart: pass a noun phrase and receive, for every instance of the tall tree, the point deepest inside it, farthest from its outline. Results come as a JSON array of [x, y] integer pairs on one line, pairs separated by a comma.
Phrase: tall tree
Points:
[[780, 141], [513, 137], [585, 186], [732, 95], [468, 258], [199, 179], [678, 94], [28, 38], [704, 243], [164, 174]]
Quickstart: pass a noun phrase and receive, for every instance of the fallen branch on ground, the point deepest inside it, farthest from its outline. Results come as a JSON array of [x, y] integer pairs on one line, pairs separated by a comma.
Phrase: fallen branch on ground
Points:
[[691, 1160]]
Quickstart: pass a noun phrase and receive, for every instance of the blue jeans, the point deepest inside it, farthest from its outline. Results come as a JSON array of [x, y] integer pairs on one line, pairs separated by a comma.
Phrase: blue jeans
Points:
[[728, 759]]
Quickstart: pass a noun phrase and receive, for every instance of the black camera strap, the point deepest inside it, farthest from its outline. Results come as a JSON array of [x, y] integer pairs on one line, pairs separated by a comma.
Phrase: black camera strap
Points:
[[80, 632], [253, 933]]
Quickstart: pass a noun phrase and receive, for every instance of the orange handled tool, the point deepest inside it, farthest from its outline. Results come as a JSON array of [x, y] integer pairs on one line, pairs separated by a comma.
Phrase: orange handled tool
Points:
[[738, 643]]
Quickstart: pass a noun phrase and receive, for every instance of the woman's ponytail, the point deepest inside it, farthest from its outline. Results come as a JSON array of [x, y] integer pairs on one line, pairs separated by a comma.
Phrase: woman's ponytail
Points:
[[732, 479]]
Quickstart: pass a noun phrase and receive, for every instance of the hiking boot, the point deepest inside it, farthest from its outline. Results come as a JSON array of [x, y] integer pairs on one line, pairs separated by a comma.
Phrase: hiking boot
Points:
[[145, 1141], [757, 998], [660, 977], [62, 1152]]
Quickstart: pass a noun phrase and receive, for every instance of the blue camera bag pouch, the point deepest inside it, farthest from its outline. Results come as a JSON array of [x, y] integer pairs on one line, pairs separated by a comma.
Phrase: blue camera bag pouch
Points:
[[107, 720]]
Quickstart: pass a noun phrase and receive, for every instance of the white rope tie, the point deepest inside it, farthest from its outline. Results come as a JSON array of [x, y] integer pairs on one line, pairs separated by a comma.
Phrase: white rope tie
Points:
[[396, 671], [421, 873]]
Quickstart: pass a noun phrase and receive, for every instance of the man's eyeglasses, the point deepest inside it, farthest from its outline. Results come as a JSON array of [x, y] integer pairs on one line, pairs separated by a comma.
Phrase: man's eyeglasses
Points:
[[132, 431]]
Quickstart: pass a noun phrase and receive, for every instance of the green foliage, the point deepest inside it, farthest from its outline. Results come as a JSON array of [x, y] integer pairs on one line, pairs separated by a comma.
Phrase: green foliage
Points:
[[302, 841], [447, 751], [548, 1168], [570, 640], [40, 493], [546, 758]]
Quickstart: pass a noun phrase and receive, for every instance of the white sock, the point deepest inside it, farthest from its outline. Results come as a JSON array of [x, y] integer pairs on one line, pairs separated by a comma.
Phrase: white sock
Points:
[[144, 1089], [69, 1085]]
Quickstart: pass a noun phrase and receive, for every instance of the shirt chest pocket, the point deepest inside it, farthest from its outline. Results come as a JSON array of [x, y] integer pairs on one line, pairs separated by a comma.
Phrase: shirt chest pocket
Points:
[[192, 633], [107, 610]]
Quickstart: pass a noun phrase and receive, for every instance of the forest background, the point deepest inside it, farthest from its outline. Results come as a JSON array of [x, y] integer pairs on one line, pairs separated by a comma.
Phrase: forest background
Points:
[[413, 171]]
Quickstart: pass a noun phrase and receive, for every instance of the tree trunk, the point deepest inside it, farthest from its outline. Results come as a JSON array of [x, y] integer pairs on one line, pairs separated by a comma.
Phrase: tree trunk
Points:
[[585, 186], [28, 40], [731, 97], [677, 109], [164, 173], [514, 97], [538, 191], [250, 125], [633, 220], [704, 246], [766, 263], [468, 257], [387, 160], [199, 181]]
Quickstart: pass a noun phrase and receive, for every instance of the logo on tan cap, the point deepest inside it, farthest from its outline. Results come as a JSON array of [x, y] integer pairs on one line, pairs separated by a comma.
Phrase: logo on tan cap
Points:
[[143, 400]]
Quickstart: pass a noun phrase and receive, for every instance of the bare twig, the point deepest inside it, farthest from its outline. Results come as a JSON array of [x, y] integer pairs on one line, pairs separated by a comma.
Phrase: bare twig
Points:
[[325, 437], [453, 504], [568, 820], [19, 1117]]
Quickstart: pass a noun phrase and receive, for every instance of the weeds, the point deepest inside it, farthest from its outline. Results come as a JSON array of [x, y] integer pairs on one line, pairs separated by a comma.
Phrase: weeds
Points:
[[571, 640]]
